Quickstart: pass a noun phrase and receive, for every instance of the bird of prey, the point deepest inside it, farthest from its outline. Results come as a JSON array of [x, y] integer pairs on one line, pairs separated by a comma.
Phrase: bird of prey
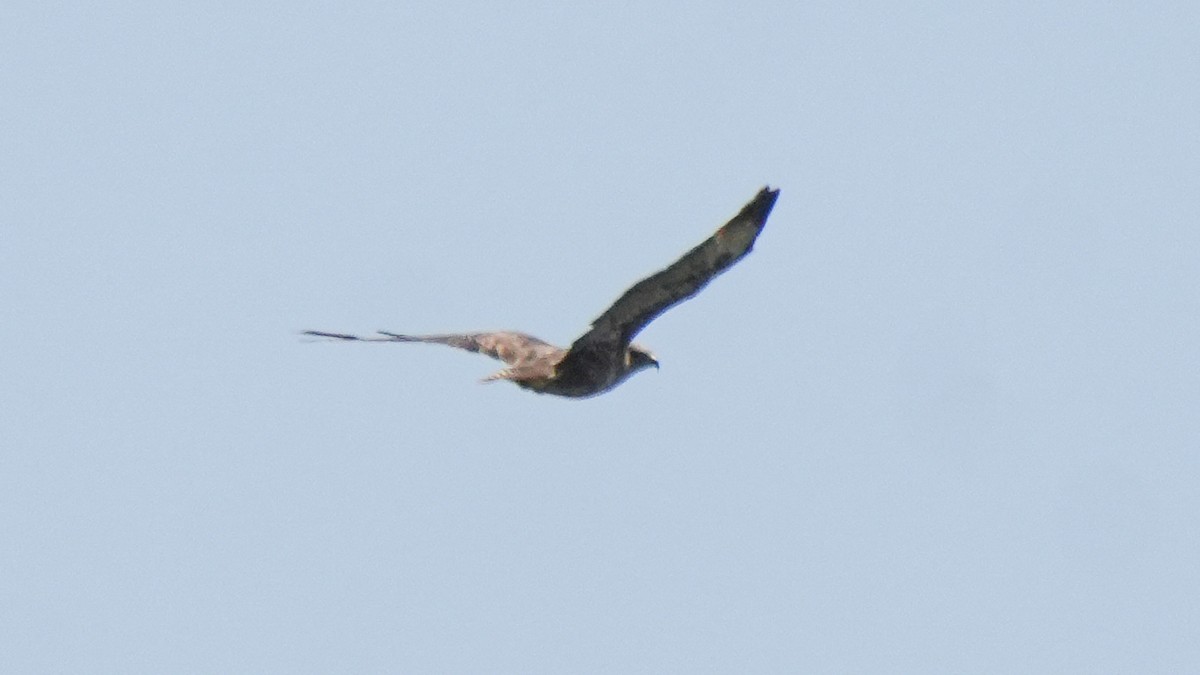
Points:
[[605, 356]]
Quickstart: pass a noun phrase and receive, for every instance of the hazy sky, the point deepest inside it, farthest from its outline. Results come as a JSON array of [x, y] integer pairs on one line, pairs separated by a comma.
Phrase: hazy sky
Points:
[[944, 419]]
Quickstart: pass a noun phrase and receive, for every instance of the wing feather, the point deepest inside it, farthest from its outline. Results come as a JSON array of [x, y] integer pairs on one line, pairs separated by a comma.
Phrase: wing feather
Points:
[[510, 347], [652, 296]]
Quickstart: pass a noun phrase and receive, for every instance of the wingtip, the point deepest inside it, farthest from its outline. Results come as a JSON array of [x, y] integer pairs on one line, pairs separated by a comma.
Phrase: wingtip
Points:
[[760, 207], [398, 337], [329, 336]]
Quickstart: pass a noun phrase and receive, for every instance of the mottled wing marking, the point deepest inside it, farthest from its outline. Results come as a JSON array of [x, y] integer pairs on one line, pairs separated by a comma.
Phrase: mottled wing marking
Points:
[[508, 346], [528, 373]]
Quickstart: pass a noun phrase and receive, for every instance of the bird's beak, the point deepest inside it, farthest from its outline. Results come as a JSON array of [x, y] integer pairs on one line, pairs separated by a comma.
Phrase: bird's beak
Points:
[[655, 362]]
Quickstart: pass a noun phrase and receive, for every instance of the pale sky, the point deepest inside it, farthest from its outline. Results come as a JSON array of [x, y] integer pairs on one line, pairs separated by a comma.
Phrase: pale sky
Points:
[[943, 419]]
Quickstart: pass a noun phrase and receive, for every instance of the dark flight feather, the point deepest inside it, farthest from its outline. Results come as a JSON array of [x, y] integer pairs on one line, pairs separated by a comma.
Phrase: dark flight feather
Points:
[[613, 330]]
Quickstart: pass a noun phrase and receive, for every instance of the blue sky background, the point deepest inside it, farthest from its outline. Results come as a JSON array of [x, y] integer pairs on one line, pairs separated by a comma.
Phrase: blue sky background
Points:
[[942, 420]]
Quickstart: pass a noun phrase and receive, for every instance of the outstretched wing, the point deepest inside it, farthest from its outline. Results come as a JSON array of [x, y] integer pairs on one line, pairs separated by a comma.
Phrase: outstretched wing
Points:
[[616, 327], [508, 346]]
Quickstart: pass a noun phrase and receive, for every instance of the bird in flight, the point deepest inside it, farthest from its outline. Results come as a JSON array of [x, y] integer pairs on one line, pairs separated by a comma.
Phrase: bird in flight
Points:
[[605, 356]]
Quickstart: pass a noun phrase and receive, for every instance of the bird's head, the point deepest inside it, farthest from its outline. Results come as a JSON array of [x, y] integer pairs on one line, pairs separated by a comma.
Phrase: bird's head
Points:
[[638, 357]]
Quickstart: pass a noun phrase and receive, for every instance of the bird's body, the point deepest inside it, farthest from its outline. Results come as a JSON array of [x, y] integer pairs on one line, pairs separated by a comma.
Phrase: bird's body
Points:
[[605, 356]]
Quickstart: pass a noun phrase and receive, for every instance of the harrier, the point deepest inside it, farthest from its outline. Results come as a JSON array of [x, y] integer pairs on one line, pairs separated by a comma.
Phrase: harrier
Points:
[[605, 356]]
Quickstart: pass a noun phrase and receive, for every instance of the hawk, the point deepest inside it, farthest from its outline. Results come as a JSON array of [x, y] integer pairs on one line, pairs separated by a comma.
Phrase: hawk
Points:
[[605, 356]]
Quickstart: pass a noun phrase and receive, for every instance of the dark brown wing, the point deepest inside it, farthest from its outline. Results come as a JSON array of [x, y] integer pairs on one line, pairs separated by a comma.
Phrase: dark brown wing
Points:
[[612, 331], [510, 347]]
